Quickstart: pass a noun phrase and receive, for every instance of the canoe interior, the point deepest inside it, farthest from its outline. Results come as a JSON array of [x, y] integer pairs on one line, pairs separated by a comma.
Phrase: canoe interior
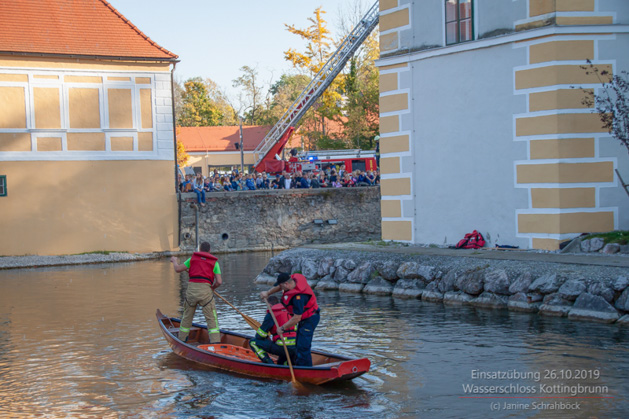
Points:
[[198, 336]]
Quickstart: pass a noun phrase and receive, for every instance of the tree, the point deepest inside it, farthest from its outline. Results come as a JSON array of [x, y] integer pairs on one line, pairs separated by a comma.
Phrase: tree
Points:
[[253, 98], [611, 103], [318, 51], [283, 93], [182, 155], [198, 109]]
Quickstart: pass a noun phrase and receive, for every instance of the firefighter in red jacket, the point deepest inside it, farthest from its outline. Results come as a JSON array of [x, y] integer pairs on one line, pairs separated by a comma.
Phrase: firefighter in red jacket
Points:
[[301, 303], [262, 345], [205, 276]]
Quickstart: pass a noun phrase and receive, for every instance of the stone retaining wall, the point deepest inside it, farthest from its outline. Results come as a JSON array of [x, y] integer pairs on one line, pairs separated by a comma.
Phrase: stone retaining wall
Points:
[[578, 292], [279, 219]]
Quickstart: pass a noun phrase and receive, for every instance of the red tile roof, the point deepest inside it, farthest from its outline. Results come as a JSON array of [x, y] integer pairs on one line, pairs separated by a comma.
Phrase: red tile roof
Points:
[[201, 139], [73, 27]]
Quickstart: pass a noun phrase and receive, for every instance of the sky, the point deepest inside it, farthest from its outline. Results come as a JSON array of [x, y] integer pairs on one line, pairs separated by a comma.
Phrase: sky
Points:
[[214, 39]]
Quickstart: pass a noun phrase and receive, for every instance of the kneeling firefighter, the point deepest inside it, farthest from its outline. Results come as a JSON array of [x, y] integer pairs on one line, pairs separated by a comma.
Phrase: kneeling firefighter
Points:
[[261, 344]]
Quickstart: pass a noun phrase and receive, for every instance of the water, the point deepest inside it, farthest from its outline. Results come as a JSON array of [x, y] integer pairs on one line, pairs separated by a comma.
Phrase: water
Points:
[[84, 342]]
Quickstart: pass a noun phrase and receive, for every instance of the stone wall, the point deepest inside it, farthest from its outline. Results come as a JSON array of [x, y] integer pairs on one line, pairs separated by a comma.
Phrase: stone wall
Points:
[[279, 219], [584, 292]]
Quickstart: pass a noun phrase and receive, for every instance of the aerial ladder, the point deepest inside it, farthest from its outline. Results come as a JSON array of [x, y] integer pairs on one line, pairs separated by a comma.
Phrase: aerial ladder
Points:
[[267, 152]]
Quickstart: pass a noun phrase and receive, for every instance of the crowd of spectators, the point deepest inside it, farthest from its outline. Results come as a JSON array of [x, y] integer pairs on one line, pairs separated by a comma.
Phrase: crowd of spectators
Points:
[[235, 181]]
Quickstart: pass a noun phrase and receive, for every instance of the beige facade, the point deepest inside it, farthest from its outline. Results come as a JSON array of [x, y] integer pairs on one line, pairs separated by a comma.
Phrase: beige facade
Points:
[[86, 148]]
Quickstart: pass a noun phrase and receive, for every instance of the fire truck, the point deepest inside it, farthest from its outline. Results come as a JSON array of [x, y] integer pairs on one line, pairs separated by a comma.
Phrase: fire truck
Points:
[[270, 148], [320, 160]]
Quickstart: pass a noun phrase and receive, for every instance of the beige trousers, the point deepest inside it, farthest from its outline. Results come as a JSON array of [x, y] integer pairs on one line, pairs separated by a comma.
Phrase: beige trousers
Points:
[[200, 294]]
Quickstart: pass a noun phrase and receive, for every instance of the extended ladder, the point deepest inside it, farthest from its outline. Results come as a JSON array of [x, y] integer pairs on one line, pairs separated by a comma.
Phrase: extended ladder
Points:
[[276, 138]]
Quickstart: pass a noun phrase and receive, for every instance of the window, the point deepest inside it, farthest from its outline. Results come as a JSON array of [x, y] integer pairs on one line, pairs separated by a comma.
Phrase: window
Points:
[[3, 185], [458, 21]]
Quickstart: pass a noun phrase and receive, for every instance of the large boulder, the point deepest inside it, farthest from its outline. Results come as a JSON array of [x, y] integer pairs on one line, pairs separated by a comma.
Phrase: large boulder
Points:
[[265, 278], [592, 245], [521, 284], [622, 303], [547, 284], [471, 282], [379, 286], [497, 281], [351, 287], [327, 283], [341, 274], [309, 269], [601, 289], [554, 305], [571, 289], [620, 283], [446, 283], [428, 273], [593, 307], [523, 302], [457, 298], [326, 267], [431, 293], [362, 274], [387, 269], [408, 288], [408, 270], [611, 248], [490, 300]]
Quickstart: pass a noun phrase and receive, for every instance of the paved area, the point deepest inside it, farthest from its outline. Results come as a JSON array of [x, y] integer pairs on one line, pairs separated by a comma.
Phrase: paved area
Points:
[[618, 260]]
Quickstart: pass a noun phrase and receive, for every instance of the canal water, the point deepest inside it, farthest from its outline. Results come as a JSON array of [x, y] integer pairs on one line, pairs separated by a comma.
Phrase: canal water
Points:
[[84, 342]]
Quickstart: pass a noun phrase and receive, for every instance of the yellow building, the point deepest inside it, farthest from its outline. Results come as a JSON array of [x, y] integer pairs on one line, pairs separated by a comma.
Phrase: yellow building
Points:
[[86, 132], [483, 126]]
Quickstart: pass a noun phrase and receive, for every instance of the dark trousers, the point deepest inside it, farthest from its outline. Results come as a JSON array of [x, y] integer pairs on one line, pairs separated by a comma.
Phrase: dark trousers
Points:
[[305, 331], [273, 348]]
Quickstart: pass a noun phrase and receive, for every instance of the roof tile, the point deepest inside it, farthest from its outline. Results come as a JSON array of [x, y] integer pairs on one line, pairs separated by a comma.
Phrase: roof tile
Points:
[[75, 27]]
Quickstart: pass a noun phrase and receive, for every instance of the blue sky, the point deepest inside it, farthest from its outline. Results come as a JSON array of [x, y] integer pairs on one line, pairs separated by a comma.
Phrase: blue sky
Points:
[[215, 38]]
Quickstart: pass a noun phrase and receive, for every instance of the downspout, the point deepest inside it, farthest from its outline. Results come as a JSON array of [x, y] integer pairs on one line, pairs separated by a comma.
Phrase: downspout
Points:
[[172, 99]]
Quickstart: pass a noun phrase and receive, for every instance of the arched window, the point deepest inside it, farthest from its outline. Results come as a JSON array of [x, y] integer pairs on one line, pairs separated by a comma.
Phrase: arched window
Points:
[[458, 21]]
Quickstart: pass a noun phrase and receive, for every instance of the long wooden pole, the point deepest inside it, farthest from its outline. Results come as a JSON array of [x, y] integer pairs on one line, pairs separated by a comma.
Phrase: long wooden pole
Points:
[[255, 325], [277, 326]]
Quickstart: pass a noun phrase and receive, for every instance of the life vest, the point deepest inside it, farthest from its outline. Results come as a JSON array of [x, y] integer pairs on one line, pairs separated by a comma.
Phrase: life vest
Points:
[[282, 316], [473, 240], [202, 267], [301, 287]]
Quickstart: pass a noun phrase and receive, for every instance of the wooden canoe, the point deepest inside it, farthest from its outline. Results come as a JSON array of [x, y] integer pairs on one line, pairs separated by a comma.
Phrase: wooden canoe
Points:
[[233, 354]]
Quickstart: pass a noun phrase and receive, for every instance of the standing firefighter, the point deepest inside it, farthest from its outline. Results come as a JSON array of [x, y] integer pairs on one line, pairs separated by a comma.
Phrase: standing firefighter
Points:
[[205, 276], [301, 303], [261, 343]]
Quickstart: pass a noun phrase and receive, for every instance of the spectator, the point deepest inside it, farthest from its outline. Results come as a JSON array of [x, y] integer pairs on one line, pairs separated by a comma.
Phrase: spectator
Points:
[[275, 183], [250, 183], [198, 188], [362, 179], [377, 182], [323, 180], [186, 186], [372, 177], [208, 185], [227, 185], [235, 181], [342, 171], [314, 182], [333, 177], [218, 186], [347, 181]]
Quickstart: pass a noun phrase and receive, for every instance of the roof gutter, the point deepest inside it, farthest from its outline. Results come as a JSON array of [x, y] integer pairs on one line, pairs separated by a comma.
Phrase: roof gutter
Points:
[[89, 57]]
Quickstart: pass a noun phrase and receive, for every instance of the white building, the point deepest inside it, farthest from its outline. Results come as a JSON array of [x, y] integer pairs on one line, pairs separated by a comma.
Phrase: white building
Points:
[[481, 127]]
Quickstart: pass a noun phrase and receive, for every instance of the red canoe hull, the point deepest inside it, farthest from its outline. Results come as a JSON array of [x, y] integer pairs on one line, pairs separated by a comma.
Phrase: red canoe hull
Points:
[[327, 367]]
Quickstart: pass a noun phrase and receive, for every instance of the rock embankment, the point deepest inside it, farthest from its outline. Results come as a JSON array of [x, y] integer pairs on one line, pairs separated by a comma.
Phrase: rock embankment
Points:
[[581, 292]]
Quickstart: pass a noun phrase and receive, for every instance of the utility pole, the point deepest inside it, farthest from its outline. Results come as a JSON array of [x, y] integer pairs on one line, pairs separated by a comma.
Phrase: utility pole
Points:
[[242, 157]]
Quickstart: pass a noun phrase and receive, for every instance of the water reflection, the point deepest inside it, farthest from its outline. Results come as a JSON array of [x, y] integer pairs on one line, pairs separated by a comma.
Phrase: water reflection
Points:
[[83, 341]]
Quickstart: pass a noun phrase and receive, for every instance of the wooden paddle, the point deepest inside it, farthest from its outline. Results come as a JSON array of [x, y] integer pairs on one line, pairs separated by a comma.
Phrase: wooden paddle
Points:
[[255, 325], [290, 364]]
